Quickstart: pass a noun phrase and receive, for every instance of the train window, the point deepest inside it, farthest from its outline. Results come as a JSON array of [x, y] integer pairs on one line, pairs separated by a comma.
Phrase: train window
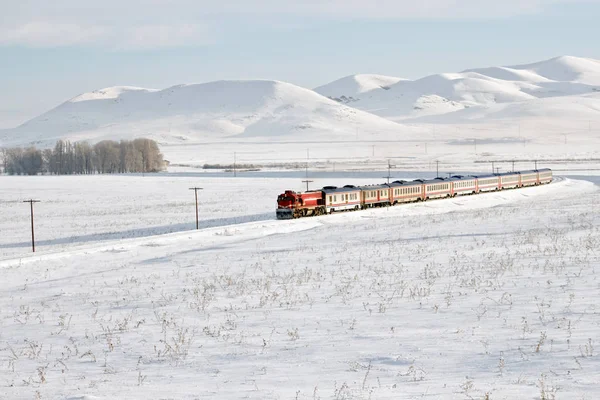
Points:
[[330, 199]]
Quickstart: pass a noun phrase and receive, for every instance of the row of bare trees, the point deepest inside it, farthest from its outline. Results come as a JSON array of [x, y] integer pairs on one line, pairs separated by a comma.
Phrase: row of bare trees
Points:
[[66, 158]]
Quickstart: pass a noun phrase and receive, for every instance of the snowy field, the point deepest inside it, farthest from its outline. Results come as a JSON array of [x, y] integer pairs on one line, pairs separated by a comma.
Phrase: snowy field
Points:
[[482, 297], [79, 211]]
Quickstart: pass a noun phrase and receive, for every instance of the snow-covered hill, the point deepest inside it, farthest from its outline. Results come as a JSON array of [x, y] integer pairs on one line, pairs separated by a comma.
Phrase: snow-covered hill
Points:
[[262, 121], [193, 113], [355, 86], [482, 89]]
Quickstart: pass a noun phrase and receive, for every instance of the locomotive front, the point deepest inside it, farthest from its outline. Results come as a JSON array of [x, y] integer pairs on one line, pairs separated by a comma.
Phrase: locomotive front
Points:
[[285, 205], [295, 205]]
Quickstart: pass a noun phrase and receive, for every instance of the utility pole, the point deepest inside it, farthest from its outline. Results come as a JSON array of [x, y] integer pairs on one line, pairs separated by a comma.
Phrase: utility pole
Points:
[[32, 230], [437, 169], [513, 165], [497, 170], [535, 164], [307, 158], [493, 167], [195, 189], [449, 175], [234, 162], [307, 182], [390, 166]]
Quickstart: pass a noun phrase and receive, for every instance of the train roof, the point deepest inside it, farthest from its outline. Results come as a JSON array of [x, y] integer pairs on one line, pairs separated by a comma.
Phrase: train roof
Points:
[[404, 183], [434, 180], [460, 178], [345, 189], [374, 187], [484, 176]]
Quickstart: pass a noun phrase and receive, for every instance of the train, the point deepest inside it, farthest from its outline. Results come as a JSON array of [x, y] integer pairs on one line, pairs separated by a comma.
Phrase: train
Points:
[[330, 199]]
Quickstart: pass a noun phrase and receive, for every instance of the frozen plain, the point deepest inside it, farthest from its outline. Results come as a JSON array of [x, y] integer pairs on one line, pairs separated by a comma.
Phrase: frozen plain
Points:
[[492, 295]]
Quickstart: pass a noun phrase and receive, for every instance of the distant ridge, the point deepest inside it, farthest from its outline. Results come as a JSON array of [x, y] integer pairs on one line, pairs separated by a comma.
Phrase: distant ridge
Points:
[[446, 93], [356, 106], [196, 112]]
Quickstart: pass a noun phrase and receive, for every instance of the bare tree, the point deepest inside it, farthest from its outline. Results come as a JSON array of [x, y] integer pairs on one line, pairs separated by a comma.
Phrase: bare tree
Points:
[[105, 157], [32, 161], [152, 158], [3, 159]]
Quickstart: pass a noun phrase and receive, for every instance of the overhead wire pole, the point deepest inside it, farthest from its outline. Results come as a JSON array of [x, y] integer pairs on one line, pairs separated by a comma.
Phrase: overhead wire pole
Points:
[[195, 189], [234, 162], [390, 166], [307, 181], [32, 229], [437, 168]]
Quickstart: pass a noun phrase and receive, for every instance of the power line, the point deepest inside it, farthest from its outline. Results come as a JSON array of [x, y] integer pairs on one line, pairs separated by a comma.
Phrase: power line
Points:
[[195, 189], [32, 230]]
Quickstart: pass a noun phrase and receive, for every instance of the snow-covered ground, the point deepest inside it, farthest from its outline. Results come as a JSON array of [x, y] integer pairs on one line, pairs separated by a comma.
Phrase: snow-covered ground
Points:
[[493, 295], [77, 211]]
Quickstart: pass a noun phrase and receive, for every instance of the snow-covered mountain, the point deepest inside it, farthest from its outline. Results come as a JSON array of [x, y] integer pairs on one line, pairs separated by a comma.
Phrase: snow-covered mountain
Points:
[[355, 86], [193, 113], [482, 89], [354, 107]]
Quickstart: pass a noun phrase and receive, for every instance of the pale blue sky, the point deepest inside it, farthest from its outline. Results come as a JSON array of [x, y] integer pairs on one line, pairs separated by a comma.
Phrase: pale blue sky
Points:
[[52, 51]]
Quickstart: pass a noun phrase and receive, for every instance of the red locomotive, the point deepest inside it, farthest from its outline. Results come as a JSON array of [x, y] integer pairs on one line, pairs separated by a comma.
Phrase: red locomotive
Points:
[[295, 205]]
